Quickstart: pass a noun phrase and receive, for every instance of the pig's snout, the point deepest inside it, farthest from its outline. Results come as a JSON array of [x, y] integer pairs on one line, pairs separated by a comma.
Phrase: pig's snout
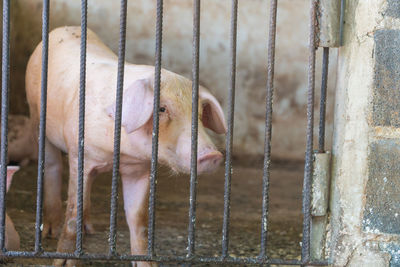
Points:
[[208, 161]]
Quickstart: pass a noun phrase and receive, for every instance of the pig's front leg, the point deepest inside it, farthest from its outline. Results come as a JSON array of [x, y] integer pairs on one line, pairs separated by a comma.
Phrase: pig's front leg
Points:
[[52, 191], [67, 239], [136, 196]]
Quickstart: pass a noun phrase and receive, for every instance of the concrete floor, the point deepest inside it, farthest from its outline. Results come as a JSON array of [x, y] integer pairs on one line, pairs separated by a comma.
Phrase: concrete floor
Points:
[[172, 213]]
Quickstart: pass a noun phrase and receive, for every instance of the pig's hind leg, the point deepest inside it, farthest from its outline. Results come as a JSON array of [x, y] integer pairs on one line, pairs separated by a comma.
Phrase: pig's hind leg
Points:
[[87, 224], [52, 191], [67, 239], [52, 179]]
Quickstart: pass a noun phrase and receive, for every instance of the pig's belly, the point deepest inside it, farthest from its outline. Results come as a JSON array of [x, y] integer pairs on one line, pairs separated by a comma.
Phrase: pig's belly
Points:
[[60, 144], [54, 133]]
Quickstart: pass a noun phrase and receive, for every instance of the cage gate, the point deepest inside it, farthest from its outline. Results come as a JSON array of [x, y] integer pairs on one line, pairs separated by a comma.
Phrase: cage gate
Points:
[[316, 23]]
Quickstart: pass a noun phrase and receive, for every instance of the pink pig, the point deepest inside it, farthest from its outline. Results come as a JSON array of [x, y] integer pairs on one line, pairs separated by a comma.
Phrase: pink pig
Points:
[[62, 130], [11, 235]]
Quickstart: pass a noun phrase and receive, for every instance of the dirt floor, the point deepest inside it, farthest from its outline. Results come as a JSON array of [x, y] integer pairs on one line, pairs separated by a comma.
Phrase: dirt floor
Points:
[[172, 213]]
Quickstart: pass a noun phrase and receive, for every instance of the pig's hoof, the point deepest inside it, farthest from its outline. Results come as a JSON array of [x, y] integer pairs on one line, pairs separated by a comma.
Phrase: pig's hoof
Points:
[[64, 262], [89, 229], [71, 263], [144, 264], [59, 262], [50, 231]]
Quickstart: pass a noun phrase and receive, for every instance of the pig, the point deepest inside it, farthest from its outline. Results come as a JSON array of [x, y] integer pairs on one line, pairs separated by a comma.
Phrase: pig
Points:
[[11, 235], [136, 132], [20, 141]]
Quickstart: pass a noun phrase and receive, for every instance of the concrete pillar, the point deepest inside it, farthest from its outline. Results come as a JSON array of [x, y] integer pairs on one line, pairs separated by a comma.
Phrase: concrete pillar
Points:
[[365, 191]]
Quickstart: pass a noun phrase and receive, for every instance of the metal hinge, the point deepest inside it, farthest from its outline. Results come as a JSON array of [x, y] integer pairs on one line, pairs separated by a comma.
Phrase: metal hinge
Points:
[[329, 23], [319, 203]]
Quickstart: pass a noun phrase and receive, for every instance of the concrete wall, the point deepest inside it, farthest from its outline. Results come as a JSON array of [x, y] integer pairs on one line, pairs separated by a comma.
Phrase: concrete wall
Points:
[[291, 57], [366, 151]]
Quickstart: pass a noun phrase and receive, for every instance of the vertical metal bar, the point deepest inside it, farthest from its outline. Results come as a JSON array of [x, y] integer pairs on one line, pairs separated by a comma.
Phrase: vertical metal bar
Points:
[[305, 249], [81, 140], [42, 126], [154, 152], [5, 74], [322, 106], [268, 126], [229, 137], [195, 111], [117, 127]]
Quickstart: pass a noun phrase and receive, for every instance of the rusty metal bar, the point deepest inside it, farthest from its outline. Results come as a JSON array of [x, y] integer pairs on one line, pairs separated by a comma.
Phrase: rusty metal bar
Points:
[[5, 75], [268, 126], [117, 127], [195, 112], [229, 137], [308, 168], [164, 259], [154, 152], [42, 126], [81, 139]]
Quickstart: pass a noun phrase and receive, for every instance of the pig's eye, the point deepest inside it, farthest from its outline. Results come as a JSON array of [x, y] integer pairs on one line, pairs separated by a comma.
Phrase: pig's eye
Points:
[[162, 109]]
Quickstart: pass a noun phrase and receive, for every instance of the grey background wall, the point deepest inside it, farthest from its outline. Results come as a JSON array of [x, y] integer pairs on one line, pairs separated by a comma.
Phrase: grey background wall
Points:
[[291, 58]]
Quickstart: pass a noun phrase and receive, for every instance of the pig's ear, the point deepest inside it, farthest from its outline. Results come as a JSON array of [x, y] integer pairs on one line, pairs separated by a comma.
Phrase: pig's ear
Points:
[[10, 172], [213, 115], [137, 105]]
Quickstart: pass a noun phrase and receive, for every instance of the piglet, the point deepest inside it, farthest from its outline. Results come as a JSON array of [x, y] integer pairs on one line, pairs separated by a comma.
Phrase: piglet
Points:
[[21, 148], [136, 135]]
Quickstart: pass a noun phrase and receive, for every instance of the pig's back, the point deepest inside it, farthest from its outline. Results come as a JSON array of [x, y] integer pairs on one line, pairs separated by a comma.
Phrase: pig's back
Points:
[[63, 80], [63, 87]]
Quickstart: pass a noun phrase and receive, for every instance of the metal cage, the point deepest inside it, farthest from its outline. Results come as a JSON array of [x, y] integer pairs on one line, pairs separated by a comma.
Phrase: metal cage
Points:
[[263, 258]]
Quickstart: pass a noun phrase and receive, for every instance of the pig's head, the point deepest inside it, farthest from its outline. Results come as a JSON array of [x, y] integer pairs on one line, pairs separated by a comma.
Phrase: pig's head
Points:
[[174, 121]]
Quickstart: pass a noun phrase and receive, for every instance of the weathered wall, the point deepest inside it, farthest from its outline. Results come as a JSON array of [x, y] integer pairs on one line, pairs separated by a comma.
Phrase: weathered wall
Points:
[[366, 151], [291, 57]]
